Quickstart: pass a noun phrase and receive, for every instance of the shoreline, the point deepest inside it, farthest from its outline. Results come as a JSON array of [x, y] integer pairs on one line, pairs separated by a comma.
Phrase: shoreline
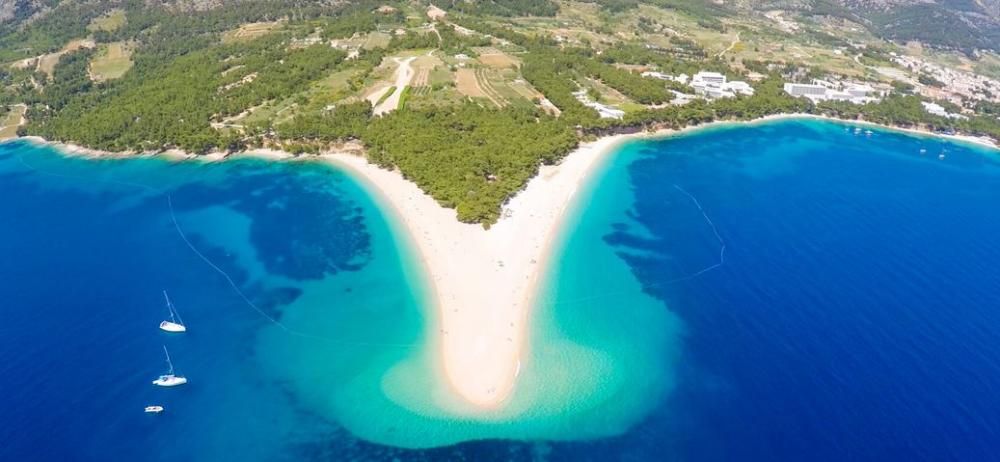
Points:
[[484, 283]]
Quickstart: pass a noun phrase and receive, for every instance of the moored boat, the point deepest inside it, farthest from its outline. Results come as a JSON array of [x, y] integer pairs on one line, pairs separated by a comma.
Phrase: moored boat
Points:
[[169, 379], [175, 324]]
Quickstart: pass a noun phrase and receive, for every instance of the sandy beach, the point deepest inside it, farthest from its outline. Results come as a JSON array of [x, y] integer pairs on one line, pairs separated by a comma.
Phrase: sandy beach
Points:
[[484, 280]]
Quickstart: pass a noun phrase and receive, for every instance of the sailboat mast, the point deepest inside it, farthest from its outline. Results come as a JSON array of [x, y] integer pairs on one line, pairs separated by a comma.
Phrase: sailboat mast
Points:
[[165, 352], [174, 315], [169, 308]]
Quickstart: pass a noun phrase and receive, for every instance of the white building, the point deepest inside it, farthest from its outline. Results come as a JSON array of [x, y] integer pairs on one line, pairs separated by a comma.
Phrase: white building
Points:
[[708, 78], [821, 90], [805, 89], [738, 87], [714, 85], [860, 90], [938, 110]]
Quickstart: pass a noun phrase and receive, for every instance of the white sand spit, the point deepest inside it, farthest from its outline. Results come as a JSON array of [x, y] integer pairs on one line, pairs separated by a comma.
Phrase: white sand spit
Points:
[[484, 280]]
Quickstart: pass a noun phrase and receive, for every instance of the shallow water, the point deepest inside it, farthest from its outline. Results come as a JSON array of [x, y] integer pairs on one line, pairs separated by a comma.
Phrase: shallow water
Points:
[[781, 291]]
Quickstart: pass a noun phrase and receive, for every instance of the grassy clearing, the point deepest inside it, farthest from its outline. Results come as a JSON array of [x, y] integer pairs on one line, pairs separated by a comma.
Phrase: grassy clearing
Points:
[[111, 62], [250, 31], [376, 40], [8, 127], [109, 22]]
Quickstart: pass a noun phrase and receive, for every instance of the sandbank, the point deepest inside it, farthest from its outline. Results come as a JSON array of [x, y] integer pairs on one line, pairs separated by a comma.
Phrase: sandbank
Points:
[[484, 280]]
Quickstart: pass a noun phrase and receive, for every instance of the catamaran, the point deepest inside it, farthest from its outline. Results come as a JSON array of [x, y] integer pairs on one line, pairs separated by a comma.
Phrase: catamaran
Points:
[[175, 324], [169, 379]]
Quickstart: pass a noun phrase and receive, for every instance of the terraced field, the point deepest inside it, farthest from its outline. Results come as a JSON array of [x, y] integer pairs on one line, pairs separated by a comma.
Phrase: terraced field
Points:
[[250, 31], [483, 80]]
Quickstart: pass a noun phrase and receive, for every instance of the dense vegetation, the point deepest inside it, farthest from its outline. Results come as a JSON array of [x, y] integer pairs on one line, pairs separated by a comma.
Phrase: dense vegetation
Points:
[[174, 106], [468, 157], [197, 85]]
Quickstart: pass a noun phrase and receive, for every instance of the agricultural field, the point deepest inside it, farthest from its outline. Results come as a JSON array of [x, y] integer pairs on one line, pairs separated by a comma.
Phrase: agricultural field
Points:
[[112, 61], [109, 22], [467, 82], [496, 59], [423, 67], [500, 87]]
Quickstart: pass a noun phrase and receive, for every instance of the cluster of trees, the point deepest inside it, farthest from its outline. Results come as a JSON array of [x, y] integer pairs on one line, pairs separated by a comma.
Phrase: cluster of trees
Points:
[[342, 122], [503, 7], [550, 75], [554, 72], [69, 79], [664, 60], [48, 33], [468, 157], [636, 87]]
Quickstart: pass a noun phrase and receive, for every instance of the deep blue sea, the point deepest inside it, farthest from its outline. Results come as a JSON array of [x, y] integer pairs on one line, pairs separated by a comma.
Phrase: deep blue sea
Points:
[[791, 290]]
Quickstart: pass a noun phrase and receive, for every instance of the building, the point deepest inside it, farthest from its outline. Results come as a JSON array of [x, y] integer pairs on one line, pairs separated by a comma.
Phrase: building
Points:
[[938, 110], [738, 87], [708, 78], [822, 90], [805, 89], [860, 90], [714, 85]]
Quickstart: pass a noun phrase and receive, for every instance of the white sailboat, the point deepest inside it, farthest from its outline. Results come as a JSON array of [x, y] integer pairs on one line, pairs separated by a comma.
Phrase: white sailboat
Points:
[[175, 324], [169, 379], [153, 409]]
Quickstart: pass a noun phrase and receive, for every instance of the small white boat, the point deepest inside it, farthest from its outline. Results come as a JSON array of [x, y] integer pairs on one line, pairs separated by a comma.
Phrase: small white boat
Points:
[[940, 156], [923, 151], [169, 379], [153, 409], [869, 132], [175, 324]]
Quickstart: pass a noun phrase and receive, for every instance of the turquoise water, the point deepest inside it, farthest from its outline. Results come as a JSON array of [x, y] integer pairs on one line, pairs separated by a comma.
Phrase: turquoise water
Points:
[[307, 313], [781, 291], [90, 245]]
